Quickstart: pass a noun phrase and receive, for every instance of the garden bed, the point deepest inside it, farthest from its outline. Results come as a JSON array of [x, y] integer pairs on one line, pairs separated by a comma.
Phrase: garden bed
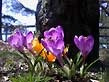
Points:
[[25, 59]]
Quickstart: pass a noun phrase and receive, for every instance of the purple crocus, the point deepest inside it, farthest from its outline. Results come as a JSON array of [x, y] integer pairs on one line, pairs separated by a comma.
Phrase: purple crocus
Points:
[[84, 44], [20, 41], [54, 42], [16, 40]]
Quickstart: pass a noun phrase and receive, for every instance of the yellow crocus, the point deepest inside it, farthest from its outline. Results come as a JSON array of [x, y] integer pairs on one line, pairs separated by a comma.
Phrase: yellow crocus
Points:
[[50, 57], [37, 46], [39, 49]]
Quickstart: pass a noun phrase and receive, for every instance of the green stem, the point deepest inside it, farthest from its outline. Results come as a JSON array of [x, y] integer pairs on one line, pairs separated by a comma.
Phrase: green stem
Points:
[[59, 58], [67, 60]]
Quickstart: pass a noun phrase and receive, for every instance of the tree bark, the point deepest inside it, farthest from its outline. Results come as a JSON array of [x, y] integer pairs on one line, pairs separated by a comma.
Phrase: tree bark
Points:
[[77, 17]]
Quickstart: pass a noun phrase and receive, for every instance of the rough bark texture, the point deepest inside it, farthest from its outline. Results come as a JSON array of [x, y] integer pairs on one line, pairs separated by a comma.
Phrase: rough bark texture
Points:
[[77, 17]]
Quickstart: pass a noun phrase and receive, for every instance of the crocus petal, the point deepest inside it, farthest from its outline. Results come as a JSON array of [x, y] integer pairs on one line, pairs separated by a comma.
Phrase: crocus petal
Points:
[[56, 48], [76, 41], [47, 46], [44, 43], [60, 30], [36, 45], [55, 51], [20, 36], [50, 57], [49, 33], [46, 34], [82, 43], [13, 41], [60, 45], [54, 33], [28, 39], [90, 42]]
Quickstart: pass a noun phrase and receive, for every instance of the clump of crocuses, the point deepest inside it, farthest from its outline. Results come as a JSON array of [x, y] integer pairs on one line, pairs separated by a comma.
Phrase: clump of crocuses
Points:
[[52, 47]]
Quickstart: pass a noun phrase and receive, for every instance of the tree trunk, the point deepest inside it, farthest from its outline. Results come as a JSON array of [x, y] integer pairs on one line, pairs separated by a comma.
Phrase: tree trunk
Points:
[[77, 17]]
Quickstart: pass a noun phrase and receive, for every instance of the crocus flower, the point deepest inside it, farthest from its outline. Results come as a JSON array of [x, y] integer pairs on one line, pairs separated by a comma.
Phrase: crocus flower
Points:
[[39, 49], [84, 44], [16, 40], [20, 41], [53, 41]]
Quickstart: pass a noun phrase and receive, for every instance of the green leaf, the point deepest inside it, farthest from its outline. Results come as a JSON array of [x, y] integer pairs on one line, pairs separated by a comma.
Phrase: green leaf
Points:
[[78, 57], [82, 71], [90, 65], [69, 72], [78, 60]]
